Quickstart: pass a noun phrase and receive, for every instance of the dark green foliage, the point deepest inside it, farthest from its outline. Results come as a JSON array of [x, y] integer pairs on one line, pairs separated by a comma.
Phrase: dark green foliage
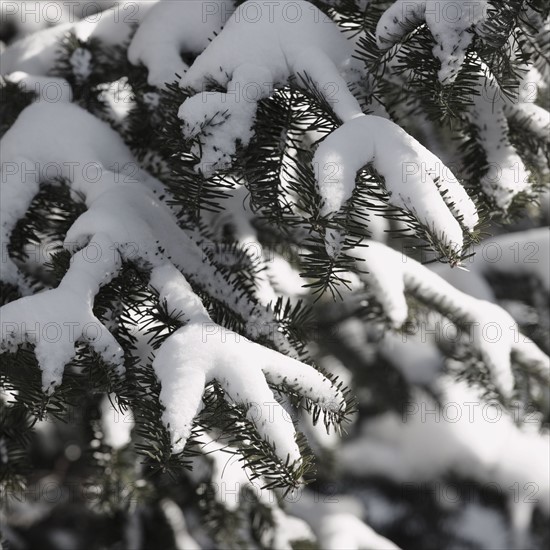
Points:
[[276, 169]]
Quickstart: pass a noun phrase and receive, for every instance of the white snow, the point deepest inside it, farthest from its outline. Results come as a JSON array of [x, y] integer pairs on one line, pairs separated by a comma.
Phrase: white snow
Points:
[[171, 28], [198, 354], [346, 532], [36, 53], [203, 351], [40, 320], [507, 175], [223, 119], [284, 277], [177, 292], [124, 214], [538, 119], [531, 86], [48, 141], [124, 219], [63, 140], [491, 330], [119, 98], [262, 44], [272, 39], [449, 21], [387, 283], [289, 529], [409, 169]]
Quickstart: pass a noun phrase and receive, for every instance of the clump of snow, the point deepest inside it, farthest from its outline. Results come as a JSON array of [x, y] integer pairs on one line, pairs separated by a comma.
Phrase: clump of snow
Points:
[[63, 140], [387, 283], [347, 531], [284, 277], [537, 118], [193, 357], [251, 55], [289, 529], [203, 351], [412, 176], [171, 28], [48, 141], [493, 332], [451, 23], [177, 292], [55, 330], [119, 99], [273, 39], [223, 119], [507, 175], [524, 107], [131, 223], [34, 54]]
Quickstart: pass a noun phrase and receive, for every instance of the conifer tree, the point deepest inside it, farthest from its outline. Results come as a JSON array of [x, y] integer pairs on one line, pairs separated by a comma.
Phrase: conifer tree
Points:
[[274, 274]]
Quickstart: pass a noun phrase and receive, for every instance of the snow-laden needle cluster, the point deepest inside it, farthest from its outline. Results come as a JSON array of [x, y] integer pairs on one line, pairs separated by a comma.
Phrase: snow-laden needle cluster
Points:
[[410, 184], [451, 24], [205, 173], [124, 220], [492, 106], [201, 352], [249, 58], [391, 274], [55, 320]]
